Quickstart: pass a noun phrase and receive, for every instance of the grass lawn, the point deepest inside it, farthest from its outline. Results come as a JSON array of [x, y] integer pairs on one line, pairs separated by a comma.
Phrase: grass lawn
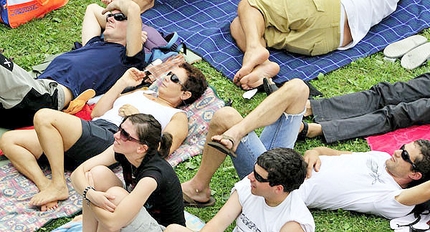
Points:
[[31, 43]]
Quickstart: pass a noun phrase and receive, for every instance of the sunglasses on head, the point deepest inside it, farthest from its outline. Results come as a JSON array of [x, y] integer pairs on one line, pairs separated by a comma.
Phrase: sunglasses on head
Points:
[[116, 16], [125, 136], [259, 178], [175, 79], [406, 157]]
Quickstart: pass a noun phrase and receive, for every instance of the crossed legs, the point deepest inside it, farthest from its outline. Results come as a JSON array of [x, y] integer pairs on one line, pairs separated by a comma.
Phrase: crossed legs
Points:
[[248, 29], [290, 99], [54, 133]]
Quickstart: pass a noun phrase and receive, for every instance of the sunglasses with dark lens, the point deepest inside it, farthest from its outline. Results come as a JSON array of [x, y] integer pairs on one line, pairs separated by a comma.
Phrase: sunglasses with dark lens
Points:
[[175, 79], [116, 16], [125, 136], [406, 157], [259, 178]]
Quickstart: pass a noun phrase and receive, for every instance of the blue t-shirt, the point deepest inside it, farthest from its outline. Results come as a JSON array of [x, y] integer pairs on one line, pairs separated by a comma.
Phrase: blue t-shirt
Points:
[[97, 65]]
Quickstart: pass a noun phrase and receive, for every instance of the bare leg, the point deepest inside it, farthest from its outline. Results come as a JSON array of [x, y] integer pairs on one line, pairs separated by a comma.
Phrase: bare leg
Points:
[[314, 130], [290, 98], [104, 180], [248, 30], [268, 69], [198, 187], [308, 109], [56, 132]]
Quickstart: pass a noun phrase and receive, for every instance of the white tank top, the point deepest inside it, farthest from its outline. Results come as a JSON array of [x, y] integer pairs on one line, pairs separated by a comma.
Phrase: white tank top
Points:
[[145, 105]]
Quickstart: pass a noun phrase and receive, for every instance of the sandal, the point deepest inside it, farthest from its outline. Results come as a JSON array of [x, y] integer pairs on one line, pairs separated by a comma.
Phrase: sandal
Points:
[[269, 87], [221, 147], [303, 134], [189, 202]]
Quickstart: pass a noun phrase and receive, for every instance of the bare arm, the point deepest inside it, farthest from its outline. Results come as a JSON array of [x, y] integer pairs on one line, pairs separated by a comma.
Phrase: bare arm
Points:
[[292, 226], [131, 77], [415, 195], [144, 5], [178, 128], [226, 215], [93, 22], [130, 9], [129, 206], [312, 157]]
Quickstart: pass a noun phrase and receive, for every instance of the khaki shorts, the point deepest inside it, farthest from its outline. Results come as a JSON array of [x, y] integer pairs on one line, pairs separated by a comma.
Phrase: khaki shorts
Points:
[[307, 27]]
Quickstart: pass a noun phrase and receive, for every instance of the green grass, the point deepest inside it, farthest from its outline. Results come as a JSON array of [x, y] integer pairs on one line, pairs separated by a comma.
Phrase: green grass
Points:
[[31, 43]]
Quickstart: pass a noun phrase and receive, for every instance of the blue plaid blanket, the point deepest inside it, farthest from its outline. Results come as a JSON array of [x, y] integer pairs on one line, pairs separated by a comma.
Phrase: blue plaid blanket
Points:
[[204, 26]]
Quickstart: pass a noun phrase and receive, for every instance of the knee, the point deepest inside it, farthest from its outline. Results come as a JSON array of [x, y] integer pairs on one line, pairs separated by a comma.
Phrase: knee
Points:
[[43, 117], [224, 118], [6, 140], [296, 87]]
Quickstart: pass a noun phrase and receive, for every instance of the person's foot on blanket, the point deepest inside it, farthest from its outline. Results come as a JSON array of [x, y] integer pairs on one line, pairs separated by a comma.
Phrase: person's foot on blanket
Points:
[[199, 194], [47, 196], [251, 58], [49, 206], [268, 69]]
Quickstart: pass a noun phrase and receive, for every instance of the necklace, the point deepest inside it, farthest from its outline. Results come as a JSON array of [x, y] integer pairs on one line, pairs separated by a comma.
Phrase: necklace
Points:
[[132, 171]]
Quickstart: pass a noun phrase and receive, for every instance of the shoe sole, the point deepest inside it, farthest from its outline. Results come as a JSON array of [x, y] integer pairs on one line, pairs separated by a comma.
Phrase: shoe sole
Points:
[[416, 57], [403, 46]]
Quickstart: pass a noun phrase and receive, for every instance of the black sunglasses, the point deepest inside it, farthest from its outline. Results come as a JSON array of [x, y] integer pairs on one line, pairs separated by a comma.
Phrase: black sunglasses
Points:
[[116, 16], [259, 178], [125, 136], [406, 157], [175, 79]]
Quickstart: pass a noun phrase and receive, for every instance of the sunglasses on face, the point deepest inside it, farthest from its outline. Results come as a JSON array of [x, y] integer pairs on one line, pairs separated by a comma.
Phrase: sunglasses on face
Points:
[[406, 157], [259, 178], [175, 79], [125, 136], [116, 16]]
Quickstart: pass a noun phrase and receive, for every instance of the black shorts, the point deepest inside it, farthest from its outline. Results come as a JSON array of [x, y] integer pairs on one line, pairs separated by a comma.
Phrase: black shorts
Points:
[[96, 137]]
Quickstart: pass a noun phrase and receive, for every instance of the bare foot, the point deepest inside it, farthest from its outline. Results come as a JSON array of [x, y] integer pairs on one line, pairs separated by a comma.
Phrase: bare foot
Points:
[[196, 193], [50, 194], [49, 206], [254, 79], [251, 59], [308, 109]]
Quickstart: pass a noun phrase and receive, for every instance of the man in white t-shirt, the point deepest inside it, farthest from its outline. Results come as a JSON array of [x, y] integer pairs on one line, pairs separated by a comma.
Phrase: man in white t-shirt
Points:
[[267, 199], [368, 182]]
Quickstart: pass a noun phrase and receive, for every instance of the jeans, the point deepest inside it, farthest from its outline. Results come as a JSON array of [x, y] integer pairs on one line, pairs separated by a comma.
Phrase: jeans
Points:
[[381, 109], [282, 133]]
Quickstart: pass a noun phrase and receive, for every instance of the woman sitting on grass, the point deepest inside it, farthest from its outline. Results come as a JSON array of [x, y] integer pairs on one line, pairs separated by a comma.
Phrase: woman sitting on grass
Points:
[[150, 181], [59, 135]]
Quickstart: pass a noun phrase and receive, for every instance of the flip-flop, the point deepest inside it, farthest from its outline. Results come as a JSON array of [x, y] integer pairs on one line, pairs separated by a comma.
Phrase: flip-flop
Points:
[[269, 88], [220, 147], [401, 47], [416, 56], [302, 135], [189, 202], [79, 102]]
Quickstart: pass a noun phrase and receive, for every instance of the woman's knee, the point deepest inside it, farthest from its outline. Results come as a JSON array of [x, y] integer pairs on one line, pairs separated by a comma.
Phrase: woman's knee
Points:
[[44, 117]]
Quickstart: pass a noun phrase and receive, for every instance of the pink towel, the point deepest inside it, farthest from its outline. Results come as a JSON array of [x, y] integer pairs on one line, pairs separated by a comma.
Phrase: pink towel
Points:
[[392, 141]]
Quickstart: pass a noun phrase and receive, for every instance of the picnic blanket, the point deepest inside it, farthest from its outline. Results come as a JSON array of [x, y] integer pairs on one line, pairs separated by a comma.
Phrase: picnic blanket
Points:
[[16, 191], [391, 141], [204, 26]]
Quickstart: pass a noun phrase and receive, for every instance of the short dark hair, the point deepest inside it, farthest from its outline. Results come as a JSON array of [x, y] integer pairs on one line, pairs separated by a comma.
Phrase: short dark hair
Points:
[[196, 82], [423, 163], [149, 132], [285, 166]]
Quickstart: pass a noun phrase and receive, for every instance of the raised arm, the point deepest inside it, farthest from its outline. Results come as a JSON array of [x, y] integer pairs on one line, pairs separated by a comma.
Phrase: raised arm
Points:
[[94, 22], [312, 157], [178, 128], [134, 43], [415, 195], [144, 5], [131, 77]]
